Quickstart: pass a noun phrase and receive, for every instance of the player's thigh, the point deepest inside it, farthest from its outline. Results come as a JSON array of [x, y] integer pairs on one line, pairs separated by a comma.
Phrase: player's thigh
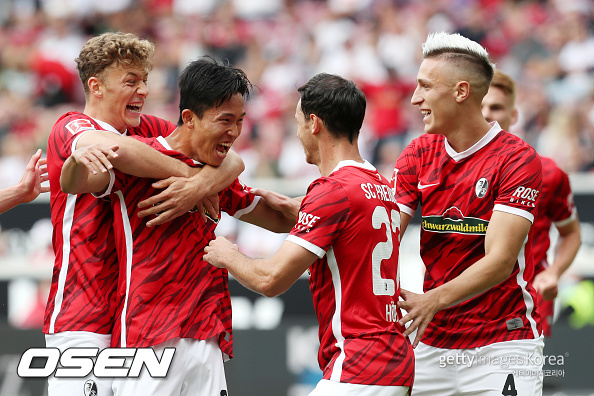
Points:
[[506, 368], [334, 388], [205, 370], [78, 386], [435, 371]]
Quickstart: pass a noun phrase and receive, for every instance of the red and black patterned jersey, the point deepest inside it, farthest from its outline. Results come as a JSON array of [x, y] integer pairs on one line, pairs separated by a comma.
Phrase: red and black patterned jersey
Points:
[[83, 290], [167, 290], [351, 221], [555, 205], [458, 193]]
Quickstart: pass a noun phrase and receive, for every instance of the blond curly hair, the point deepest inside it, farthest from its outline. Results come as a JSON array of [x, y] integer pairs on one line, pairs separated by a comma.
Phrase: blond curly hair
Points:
[[117, 48]]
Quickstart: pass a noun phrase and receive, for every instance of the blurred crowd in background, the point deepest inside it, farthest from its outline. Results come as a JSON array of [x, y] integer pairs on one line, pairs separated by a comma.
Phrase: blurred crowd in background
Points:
[[547, 46]]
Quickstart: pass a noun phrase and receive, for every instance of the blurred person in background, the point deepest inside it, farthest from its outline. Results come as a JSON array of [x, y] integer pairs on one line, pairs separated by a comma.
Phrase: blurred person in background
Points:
[[555, 207], [82, 304], [29, 187]]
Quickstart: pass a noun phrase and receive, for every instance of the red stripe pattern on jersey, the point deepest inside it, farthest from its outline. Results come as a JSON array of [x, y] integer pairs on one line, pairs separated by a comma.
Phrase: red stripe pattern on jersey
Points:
[[352, 221], [167, 290], [555, 205], [83, 291], [457, 198]]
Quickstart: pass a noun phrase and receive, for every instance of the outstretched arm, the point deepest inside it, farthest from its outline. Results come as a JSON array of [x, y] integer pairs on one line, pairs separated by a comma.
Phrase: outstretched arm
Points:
[[29, 187], [269, 277], [568, 244], [504, 239]]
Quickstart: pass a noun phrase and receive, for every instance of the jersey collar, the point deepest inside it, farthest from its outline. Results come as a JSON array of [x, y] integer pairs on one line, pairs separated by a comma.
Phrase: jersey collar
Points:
[[495, 129], [109, 127], [364, 165]]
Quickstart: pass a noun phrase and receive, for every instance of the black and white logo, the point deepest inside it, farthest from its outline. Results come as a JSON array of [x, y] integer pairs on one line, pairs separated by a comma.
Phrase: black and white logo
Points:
[[481, 187], [90, 388]]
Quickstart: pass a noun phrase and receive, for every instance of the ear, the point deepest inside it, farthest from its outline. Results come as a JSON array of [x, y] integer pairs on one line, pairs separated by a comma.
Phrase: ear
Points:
[[514, 116], [188, 117], [462, 91], [315, 124], [95, 87]]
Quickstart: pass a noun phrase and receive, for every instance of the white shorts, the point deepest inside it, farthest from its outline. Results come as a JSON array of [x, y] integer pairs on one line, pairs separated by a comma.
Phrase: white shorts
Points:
[[196, 370], [76, 386], [334, 388], [503, 368]]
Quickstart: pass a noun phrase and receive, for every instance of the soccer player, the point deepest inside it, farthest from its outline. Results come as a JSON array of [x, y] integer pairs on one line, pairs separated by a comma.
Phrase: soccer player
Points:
[[347, 235], [29, 187], [478, 187], [81, 307], [170, 297], [555, 206]]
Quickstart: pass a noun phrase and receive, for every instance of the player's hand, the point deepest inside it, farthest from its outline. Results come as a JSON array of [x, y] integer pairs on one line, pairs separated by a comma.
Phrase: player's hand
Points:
[[179, 197], [218, 250], [96, 157], [35, 174], [288, 206], [547, 284], [420, 310]]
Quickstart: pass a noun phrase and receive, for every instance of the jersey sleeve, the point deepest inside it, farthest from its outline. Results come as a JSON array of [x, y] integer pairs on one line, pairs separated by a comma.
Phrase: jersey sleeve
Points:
[[404, 180], [237, 199], [562, 209], [323, 215], [521, 181]]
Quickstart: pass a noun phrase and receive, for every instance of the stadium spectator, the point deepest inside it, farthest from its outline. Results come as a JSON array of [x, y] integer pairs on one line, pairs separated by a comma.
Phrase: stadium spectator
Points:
[[29, 187], [555, 205], [347, 237], [81, 307], [168, 296], [478, 187]]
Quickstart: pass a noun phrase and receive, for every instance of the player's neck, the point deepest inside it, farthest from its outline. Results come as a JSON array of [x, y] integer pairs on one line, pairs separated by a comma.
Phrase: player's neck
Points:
[[332, 154], [467, 134]]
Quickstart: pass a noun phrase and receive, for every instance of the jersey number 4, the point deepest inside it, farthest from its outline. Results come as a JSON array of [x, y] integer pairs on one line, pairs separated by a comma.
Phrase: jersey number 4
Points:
[[384, 251]]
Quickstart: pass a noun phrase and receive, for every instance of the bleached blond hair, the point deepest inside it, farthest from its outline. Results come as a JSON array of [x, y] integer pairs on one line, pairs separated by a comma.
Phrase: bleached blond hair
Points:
[[466, 54]]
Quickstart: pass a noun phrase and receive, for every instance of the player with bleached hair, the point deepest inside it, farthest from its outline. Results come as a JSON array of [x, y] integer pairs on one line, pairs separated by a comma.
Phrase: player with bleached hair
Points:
[[478, 306]]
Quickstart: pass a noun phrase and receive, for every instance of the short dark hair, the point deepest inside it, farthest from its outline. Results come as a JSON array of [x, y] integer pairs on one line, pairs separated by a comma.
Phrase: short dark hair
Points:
[[336, 101], [206, 83]]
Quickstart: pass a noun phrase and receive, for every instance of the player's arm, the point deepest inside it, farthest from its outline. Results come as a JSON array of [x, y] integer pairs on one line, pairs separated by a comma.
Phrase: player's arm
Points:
[[269, 277], [263, 215], [405, 219], [566, 249], [201, 190], [504, 239], [288, 206], [29, 187]]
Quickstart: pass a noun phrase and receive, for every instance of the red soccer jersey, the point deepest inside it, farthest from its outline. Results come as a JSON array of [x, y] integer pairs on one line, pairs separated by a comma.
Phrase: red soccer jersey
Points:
[[555, 206], [458, 193], [351, 221], [166, 289], [83, 291]]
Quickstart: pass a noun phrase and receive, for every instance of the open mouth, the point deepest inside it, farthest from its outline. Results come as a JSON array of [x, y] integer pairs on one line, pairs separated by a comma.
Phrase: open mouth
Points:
[[425, 113], [135, 108], [223, 148]]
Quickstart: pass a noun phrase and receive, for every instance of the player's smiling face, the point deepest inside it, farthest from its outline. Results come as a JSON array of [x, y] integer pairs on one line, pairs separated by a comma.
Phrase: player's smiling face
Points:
[[124, 91], [436, 95], [215, 132]]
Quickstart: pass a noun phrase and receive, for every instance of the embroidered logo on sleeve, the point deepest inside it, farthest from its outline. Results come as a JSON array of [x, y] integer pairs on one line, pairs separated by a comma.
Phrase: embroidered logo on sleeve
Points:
[[77, 126]]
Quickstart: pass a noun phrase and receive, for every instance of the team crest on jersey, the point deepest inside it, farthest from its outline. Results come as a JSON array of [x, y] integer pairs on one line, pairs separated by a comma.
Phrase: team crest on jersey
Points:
[[90, 388], [481, 187], [78, 126], [453, 221]]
